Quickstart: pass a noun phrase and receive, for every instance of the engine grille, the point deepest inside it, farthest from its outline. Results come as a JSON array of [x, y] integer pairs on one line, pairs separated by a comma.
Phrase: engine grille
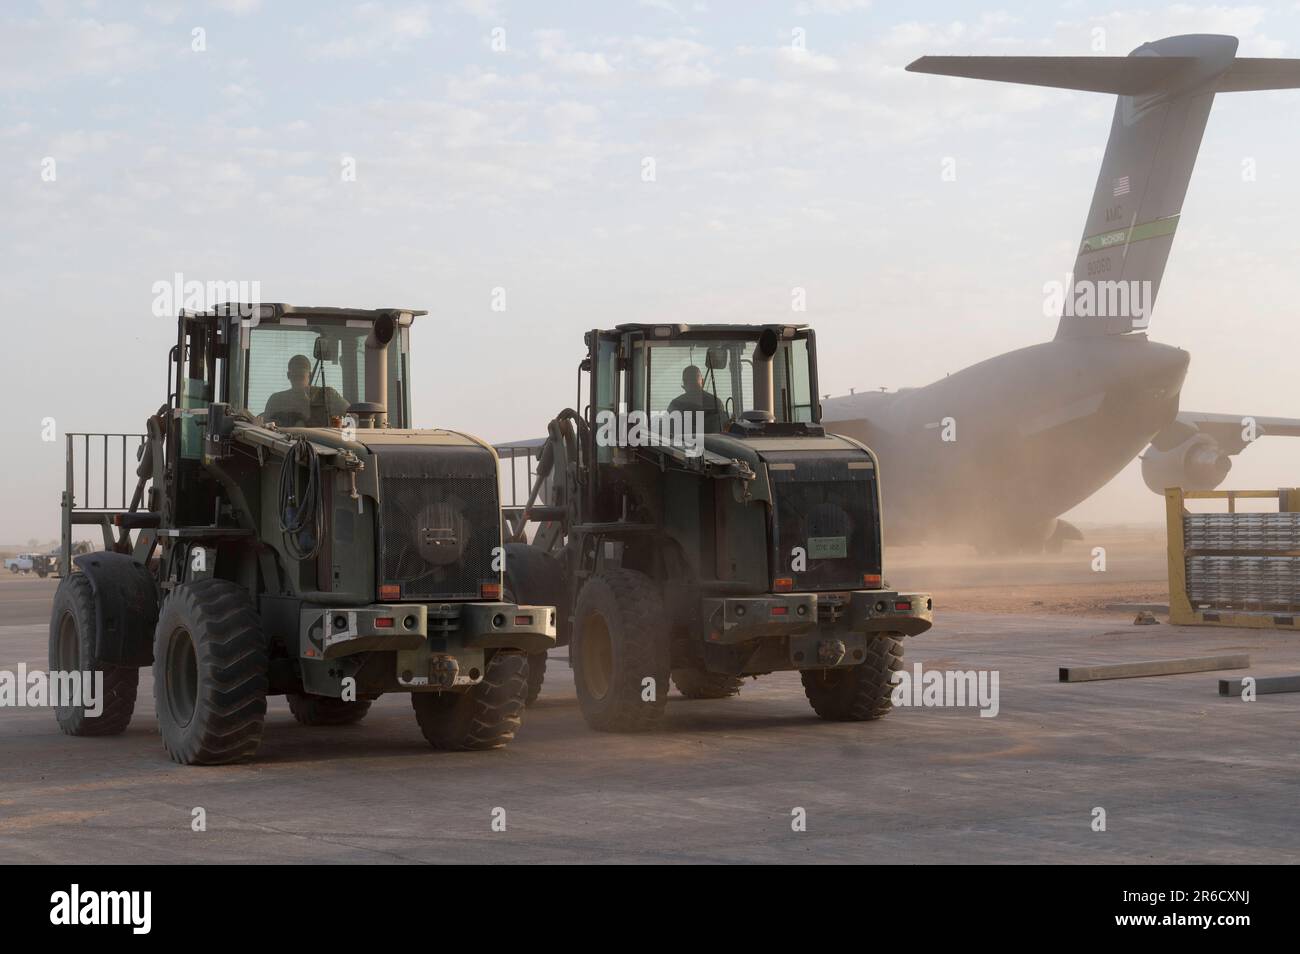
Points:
[[828, 509], [438, 521]]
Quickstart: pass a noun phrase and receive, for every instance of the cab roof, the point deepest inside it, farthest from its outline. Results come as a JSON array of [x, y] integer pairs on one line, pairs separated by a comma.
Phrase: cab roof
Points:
[[273, 311], [674, 330]]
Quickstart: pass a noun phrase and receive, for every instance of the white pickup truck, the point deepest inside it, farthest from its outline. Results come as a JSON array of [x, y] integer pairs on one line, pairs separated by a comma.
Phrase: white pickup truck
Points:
[[22, 563]]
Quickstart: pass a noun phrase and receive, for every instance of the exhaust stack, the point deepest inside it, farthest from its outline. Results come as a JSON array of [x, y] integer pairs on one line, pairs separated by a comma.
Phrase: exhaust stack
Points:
[[377, 369], [764, 400]]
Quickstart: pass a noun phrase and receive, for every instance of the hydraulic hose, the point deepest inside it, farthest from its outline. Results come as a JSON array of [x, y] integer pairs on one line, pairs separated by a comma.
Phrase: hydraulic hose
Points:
[[302, 516]]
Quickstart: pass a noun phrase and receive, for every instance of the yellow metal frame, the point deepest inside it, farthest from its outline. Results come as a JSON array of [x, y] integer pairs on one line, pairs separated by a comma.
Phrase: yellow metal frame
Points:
[[1181, 611]]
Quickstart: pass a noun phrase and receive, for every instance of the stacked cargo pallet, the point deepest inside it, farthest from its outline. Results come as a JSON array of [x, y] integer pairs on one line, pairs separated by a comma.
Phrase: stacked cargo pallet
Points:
[[1234, 568]]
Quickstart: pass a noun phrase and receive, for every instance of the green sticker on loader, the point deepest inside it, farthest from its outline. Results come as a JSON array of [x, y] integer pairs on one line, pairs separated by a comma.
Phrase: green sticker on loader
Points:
[[828, 548]]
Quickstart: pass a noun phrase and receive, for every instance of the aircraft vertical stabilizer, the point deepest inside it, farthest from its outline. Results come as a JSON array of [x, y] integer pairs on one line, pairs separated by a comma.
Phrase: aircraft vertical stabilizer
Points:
[[1165, 90]]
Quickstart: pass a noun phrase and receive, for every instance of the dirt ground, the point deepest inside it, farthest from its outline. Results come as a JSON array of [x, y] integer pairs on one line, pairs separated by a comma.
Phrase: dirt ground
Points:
[[1185, 775], [1074, 582]]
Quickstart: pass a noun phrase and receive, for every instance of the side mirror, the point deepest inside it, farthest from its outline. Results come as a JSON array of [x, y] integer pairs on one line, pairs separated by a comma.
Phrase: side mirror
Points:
[[326, 348], [716, 359]]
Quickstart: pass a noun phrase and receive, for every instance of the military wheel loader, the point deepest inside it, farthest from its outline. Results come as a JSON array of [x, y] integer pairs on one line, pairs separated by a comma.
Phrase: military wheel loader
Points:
[[695, 522], [291, 533]]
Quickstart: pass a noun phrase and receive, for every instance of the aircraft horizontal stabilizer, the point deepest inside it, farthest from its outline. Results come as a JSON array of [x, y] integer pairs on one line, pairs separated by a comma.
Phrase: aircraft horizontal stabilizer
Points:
[[1120, 75], [1249, 74]]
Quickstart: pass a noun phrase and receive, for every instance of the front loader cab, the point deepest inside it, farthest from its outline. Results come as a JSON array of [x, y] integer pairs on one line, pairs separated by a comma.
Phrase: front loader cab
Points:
[[294, 366], [290, 366], [681, 390], [751, 374], [317, 367]]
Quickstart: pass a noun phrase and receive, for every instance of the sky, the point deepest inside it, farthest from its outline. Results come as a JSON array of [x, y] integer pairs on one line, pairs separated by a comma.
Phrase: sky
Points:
[[456, 156]]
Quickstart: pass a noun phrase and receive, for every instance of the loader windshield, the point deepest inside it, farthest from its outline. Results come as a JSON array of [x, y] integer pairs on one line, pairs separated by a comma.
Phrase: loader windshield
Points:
[[306, 374], [716, 376]]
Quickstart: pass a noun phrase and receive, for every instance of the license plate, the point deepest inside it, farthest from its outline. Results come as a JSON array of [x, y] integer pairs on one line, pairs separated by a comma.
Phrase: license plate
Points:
[[828, 548]]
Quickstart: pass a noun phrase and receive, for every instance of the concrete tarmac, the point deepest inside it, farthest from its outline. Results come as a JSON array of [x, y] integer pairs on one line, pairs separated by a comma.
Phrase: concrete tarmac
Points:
[[1182, 774]]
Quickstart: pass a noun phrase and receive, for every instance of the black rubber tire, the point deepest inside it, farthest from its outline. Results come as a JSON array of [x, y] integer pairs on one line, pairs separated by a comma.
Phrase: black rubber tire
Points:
[[536, 676], [210, 673], [485, 716], [522, 587], [74, 605], [859, 693], [326, 710], [620, 620], [700, 684]]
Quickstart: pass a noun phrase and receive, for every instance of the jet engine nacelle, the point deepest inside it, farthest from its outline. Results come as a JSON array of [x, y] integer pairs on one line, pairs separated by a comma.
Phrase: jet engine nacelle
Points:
[[1198, 463]]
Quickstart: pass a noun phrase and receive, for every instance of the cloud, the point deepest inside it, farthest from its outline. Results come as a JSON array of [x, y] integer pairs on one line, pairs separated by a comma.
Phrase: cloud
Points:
[[555, 50], [79, 143], [674, 61], [238, 7], [567, 115], [792, 59], [664, 6], [1125, 31], [486, 10], [369, 29], [833, 7], [41, 54]]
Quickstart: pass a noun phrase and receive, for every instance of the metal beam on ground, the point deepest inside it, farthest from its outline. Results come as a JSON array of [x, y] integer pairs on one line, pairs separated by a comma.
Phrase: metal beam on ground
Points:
[[1155, 667], [1263, 685]]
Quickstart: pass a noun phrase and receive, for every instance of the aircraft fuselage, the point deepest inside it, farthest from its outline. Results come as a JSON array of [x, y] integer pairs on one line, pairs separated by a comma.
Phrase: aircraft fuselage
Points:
[[994, 453]]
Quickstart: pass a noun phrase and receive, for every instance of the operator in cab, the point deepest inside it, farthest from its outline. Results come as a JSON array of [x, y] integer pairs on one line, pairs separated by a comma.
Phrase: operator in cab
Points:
[[695, 398], [301, 405]]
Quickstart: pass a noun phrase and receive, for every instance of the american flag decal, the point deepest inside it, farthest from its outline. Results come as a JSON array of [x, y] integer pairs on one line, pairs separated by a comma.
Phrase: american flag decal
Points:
[[1120, 186]]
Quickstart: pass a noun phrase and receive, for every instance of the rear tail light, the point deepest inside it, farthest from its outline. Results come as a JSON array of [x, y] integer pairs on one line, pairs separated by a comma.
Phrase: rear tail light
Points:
[[383, 622], [903, 606], [390, 591], [871, 580], [490, 591], [523, 620], [780, 610], [783, 584]]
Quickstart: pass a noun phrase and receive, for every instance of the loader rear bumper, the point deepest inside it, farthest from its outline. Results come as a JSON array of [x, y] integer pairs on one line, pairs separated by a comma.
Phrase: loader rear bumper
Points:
[[752, 635], [730, 620], [437, 646], [330, 632]]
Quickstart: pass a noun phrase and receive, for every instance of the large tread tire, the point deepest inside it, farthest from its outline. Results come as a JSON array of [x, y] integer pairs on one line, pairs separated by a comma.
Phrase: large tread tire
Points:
[[535, 578], [859, 693], [485, 716], [700, 684], [620, 639], [536, 676], [210, 673], [326, 710], [527, 570], [72, 648]]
